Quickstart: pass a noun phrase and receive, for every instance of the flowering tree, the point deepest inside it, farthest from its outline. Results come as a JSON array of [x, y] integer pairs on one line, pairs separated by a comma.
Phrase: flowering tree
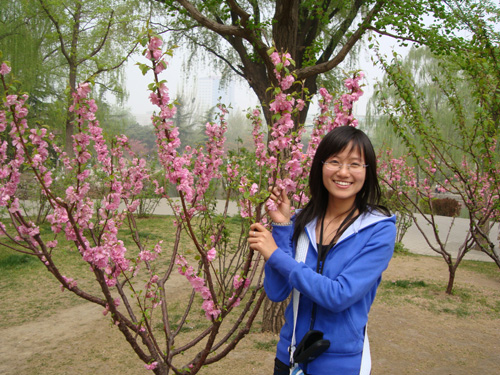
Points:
[[461, 161], [224, 275]]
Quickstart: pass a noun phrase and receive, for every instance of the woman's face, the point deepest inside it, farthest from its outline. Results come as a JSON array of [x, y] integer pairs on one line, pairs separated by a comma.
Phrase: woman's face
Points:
[[344, 183]]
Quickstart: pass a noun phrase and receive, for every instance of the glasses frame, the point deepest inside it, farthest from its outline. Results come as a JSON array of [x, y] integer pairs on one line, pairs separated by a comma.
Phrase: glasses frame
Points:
[[330, 166]]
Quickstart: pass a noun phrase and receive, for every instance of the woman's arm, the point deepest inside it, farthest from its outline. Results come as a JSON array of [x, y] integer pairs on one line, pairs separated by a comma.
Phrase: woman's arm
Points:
[[276, 285], [260, 239], [355, 280]]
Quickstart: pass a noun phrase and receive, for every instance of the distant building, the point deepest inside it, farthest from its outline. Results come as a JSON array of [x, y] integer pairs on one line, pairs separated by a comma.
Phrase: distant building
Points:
[[209, 91]]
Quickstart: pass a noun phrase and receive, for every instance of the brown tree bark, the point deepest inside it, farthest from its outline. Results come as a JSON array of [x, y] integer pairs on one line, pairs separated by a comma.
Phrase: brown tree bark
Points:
[[273, 315]]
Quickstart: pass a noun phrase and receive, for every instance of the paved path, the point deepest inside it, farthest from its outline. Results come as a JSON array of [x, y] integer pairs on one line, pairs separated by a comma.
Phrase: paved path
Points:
[[416, 243]]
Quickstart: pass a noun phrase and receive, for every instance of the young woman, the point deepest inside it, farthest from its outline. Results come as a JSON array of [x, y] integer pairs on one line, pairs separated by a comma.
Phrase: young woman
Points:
[[351, 241]]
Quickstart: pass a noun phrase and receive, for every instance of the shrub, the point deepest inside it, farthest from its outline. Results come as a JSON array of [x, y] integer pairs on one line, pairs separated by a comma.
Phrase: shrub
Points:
[[446, 207], [441, 206]]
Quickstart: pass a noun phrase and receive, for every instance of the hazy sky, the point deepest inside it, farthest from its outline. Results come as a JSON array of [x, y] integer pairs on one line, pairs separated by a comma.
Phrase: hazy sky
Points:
[[141, 107], [177, 80]]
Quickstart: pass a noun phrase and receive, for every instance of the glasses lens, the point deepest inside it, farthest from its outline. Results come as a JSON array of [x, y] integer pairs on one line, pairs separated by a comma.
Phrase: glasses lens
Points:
[[333, 165], [355, 166]]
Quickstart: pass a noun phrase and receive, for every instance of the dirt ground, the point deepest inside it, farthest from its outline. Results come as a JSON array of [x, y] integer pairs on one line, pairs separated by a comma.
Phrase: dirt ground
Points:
[[405, 338]]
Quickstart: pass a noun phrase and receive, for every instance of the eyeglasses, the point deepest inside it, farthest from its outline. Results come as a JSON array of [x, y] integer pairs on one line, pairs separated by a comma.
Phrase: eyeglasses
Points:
[[335, 165]]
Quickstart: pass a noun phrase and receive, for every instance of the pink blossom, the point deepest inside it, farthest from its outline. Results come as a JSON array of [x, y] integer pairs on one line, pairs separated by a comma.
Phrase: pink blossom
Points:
[[275, 58], [155, 43], [4, 69], [161, 66], [147, 256], [151, 366], [254, 188], [211, 310], [11, 100], [236, 302], [238, 281], [211, 254], [287, 82], [83, 89], [70, 283], [52, 244]]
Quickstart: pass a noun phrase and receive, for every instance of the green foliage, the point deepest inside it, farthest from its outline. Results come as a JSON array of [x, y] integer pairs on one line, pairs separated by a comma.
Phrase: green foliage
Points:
[[443, 106], [17, 261], [269, 346], [463, 303], [399, 248], [53, 45]]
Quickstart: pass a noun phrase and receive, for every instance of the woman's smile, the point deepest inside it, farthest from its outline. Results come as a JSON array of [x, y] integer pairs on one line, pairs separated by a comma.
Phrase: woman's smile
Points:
[[343, 183]]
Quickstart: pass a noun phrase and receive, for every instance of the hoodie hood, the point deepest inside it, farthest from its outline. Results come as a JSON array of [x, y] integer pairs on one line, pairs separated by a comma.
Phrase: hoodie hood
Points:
[[365, 220]]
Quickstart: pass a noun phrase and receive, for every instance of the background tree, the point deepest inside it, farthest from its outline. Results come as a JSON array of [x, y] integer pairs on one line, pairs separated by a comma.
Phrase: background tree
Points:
[[24, 32], [72, 41], [318, 35], [453, 145], [189, 119]]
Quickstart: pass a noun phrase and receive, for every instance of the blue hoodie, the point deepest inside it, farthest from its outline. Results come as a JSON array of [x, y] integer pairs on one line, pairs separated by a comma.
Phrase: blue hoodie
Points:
[[344, 292]]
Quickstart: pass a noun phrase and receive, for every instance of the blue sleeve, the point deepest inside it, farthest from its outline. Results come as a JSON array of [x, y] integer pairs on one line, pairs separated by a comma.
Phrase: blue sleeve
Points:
[[357, 278], [276, 284]]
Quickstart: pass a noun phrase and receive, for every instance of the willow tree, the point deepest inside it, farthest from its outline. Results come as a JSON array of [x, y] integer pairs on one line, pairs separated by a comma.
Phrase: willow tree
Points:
[[70, 42]]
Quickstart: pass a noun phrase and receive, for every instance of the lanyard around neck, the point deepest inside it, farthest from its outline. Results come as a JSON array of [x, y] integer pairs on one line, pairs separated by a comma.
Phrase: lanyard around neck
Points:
[[322, 254]]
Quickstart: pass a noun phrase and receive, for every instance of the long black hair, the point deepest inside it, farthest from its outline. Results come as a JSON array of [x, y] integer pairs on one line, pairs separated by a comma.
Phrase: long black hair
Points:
[[336, 141]]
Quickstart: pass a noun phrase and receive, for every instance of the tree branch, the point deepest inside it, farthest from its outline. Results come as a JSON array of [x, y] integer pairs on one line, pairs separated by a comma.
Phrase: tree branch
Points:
[[309, 71], [210, 24], [381, 32], [103, 40], [58, 29]]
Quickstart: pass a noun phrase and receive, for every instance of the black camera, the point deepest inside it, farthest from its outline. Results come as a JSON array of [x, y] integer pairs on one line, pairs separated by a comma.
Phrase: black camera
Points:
[[310, 347]]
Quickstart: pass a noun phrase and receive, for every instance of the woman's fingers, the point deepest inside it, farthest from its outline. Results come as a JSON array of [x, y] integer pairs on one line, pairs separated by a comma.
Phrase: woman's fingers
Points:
[[261, 240]]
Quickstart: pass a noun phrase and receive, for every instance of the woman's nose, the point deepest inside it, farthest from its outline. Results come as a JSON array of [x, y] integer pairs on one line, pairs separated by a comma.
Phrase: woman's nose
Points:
[[343, 170]]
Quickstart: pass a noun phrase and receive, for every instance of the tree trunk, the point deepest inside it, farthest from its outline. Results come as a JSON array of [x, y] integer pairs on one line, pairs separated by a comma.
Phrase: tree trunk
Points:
[[273, 316], [451, 278], [73, 66]]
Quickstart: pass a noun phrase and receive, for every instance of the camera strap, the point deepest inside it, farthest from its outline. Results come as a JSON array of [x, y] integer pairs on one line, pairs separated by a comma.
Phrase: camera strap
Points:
[[300, 256]]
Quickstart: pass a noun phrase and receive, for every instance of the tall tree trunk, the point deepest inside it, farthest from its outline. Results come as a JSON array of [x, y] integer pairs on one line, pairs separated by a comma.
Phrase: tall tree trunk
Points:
[[273, 316]]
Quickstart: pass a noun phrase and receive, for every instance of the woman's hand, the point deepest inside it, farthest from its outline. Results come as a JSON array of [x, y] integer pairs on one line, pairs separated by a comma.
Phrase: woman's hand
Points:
[[282, 212], [261, 240]]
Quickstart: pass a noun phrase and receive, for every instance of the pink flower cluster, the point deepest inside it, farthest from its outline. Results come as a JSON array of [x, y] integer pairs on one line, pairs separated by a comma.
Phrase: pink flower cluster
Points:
[[193, 170], [282, 157], [4, 69], [74, 212], [344, 106], [281, 61], [15, 108], [198, 284], [397, 173], [151, 366], [283, 142], [155, 54], [69, 282], [207, 162]]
